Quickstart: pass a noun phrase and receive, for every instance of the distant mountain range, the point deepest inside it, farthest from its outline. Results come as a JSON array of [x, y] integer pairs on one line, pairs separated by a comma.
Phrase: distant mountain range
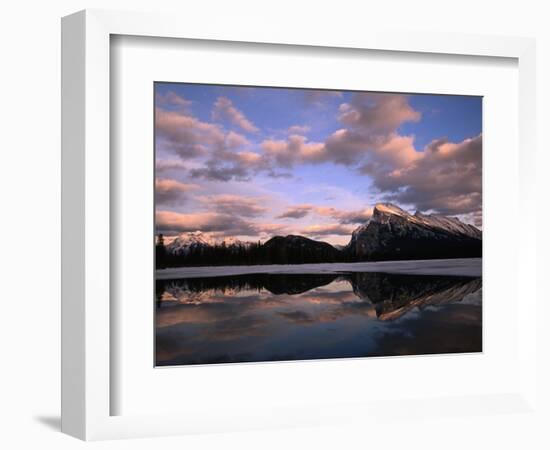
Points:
[[390, 234], [188, 242]]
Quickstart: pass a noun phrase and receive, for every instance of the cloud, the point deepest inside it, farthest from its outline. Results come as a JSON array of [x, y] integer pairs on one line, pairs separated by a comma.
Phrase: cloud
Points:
[[370, 122], [215, 170], [317, 98], [446, 177], [219, 224], [165, 165], [235, 140], [377, 113], [475, 218], [271, 229], [239, 165], [327, 229], [172, 222], [226, 165], [224, 110], [275, 174], [245, 159], [343, 217], [294, 150], [353, 217], [186, 135], [364, 137], [347, 147], [299, 129], [296, 212], [224, 155], [172, 99], [390, 157], [169, 191], [235, 204], [342, 147]]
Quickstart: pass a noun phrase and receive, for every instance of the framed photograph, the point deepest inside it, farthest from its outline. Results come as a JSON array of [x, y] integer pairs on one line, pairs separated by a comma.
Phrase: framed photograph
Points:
[[281, 232], [253, 218]]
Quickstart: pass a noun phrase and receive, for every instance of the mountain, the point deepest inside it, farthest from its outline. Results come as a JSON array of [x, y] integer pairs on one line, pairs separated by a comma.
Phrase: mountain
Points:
[[196, 240], [293, 249], [393, 234], [393, 295]]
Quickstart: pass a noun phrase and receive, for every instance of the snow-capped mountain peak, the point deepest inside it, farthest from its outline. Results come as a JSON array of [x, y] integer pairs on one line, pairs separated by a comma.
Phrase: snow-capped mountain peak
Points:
[[232, 241], [449, 224], [196, 239], [385, 212], [389, 208], [185, 241], [393, 233]]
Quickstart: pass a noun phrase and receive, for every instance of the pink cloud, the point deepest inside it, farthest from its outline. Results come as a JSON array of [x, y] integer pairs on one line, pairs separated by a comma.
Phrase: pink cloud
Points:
[[327, 229], [344, 217], [294, 150], [224, 110], [377, 113], [235, 204], [370, 120], [296, 212], [235, 140], [172, 222], [188, 136], [271, 229], [171, 191], [173, 99], [164, 165], [299, 129], [446, 177], [250, 159]]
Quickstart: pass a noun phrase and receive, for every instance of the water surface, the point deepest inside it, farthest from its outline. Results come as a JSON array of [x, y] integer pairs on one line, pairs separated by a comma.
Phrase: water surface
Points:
[[277, 317]]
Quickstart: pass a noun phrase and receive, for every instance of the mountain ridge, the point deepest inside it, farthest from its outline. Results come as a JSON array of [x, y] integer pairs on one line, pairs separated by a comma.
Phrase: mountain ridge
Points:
[[391, 233]]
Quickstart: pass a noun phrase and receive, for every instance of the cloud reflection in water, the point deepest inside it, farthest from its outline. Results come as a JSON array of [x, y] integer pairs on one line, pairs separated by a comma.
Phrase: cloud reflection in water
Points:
[[274, 317]]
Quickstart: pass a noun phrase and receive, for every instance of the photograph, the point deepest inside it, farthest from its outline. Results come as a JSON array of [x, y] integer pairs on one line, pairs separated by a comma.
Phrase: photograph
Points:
[[298, 224]]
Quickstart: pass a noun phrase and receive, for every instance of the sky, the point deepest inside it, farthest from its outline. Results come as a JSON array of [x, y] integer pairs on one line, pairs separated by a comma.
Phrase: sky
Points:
[[254, 162]]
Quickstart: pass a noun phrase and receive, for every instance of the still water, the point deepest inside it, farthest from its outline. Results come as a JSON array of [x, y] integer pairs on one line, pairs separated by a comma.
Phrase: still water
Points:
[[281, 317]]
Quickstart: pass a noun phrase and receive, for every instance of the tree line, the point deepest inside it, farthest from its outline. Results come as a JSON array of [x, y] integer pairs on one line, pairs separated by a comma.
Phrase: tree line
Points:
[[250, 254]]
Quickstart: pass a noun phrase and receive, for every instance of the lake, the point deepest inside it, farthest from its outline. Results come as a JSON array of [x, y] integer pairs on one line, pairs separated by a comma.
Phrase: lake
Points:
[[252, 317]]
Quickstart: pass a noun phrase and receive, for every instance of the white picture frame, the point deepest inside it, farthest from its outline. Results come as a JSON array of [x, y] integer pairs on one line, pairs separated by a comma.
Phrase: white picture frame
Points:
[[86, 219]]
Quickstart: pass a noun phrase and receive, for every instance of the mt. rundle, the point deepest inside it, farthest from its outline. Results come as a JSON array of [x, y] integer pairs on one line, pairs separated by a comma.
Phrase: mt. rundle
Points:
[[394, 234], [390, 234]]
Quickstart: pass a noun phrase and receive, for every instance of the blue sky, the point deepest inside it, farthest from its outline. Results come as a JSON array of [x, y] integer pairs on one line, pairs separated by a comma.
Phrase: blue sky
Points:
[[251, 162]]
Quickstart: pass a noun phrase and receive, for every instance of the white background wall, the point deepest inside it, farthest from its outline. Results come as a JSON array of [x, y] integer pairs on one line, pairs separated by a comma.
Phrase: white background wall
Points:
[[30, 187]]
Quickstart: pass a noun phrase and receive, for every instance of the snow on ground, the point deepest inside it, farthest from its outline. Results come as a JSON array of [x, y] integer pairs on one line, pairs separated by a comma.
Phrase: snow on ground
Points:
[[459, 267]]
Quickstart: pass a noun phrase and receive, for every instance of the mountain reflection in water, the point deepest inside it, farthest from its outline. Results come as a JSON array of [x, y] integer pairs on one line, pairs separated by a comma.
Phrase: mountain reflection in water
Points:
[[275, 317]]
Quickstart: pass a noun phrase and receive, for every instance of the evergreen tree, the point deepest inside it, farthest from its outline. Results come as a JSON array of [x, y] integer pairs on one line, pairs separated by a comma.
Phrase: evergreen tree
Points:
[[160, 253]]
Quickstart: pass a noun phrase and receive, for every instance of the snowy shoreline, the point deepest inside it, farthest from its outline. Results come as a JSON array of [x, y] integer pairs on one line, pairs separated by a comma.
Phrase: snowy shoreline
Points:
[[471, 267]]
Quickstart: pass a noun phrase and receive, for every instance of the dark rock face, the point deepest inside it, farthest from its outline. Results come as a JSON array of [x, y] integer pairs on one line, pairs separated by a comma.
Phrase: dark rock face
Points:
[[394, 234]]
